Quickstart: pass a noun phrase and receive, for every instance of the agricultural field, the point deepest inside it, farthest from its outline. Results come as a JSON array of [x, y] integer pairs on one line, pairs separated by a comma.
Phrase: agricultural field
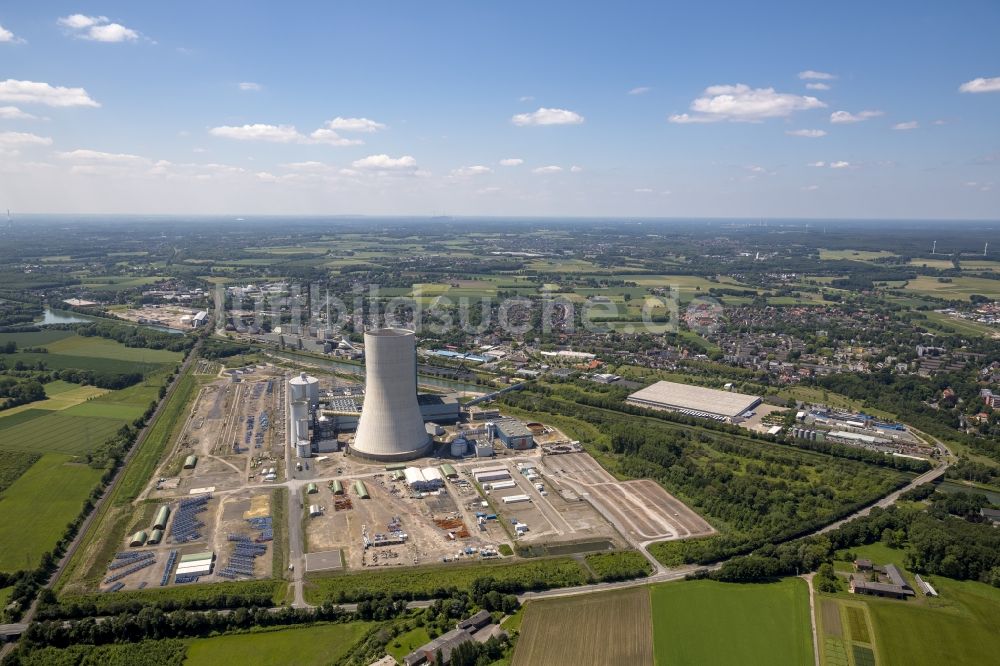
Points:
[[706, 622], [316, 645], [962, 625], [36, 508], [855, 255], [606, 628], [958, 288]]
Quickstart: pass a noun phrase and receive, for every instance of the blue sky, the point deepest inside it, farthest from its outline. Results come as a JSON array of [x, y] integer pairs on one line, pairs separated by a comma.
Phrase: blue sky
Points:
[[623, 109]]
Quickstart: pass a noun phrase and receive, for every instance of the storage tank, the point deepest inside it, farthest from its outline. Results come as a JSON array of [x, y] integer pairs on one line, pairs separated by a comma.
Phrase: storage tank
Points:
[[303, 449], [300, 420], [391, 426], [459, 447], [304, 388]]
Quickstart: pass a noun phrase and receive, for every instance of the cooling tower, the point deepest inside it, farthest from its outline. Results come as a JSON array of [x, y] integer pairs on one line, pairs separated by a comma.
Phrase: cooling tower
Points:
[[391, 427]]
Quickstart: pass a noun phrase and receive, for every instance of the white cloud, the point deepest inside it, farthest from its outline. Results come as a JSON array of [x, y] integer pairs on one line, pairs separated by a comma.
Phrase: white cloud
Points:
[[981, 85], [576, 169], [250, 86], [547, 169], [33, 92], [6, 36], [810, 188], [329, 137], [526, 98], [84, 155], [23, 139], [97, 29], [817, 164], [354, 125], [841, 117], [545, 116], [307, 166], [477, 170], [259, 132], [640, 90], [488, 190], [817, 86], [79, 21], [14, 113], [912, 124], [643, 190], [813, 75], [687, 119], [840, 165], [385, 163], [741, 103], [807, 133], [511, 161]]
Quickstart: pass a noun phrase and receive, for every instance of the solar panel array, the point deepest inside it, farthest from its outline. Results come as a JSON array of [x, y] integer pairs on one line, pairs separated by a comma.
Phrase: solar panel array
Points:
[[138, 566], [246, 549], [171, 560], [121, 562], [186, 524]]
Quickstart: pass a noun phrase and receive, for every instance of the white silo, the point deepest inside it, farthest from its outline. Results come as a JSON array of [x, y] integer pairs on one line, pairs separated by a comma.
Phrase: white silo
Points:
[[391, 427], [300, 420], [303, 449], [304, 387]]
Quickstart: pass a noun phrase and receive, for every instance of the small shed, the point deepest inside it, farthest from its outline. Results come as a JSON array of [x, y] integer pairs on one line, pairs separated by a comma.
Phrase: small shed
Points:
[[138, 539], [155, 537], [190, 462], [361, 489], [311, 489]]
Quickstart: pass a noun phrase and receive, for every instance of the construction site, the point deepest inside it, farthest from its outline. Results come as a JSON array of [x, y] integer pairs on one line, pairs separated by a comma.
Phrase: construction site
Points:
[[370, 485]]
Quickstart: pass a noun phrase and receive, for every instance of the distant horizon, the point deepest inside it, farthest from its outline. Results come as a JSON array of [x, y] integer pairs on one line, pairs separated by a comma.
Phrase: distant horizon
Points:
[[750, 221]]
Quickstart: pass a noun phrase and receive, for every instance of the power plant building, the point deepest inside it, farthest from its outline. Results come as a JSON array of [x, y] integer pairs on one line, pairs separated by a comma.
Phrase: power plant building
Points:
[[304, 388], [391, 427], [513, 434]]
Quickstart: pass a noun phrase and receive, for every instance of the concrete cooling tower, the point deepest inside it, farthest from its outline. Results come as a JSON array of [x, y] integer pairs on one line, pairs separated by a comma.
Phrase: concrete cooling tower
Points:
[[391, 427]]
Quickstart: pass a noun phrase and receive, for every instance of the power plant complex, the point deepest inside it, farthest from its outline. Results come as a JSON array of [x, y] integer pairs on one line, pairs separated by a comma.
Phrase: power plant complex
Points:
[[391, 427]]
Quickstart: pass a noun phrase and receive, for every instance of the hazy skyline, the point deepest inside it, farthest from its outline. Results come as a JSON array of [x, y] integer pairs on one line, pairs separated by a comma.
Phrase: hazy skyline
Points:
[[848, 110]]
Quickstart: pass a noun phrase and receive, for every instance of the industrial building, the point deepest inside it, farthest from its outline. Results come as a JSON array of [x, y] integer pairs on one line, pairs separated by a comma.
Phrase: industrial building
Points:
[[391, 426], [513, 433], [304, 388], [896, 588], [423, 480], [695, 400], [439, 408]]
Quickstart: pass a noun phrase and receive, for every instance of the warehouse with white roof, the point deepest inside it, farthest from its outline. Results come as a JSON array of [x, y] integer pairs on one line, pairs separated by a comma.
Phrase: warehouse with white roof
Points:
[[695, 400]]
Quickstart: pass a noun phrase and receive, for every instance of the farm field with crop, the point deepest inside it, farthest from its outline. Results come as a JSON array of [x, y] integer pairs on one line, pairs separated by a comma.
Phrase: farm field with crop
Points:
[[958, 288], [605, 628], [35, 509], [304, 646], [766, 624]]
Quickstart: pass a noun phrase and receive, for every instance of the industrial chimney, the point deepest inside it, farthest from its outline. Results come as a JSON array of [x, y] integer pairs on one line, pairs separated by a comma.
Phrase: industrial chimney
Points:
[[391, 427]]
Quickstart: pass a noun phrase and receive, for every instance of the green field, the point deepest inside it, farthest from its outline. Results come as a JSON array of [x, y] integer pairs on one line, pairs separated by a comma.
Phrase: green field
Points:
[[854, 255], [959, 288], [69, 350], [963, 627], [407, 642], [706, 622], [57, 432], [317, 645], [61, 395], [35, 509]]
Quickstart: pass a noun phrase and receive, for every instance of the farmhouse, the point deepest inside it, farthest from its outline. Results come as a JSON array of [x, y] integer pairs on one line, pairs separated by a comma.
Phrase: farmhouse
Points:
[[897, 588]]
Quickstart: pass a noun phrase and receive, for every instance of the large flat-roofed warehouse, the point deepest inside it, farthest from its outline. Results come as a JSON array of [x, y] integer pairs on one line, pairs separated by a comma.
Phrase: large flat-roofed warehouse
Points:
[[694, 400]]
